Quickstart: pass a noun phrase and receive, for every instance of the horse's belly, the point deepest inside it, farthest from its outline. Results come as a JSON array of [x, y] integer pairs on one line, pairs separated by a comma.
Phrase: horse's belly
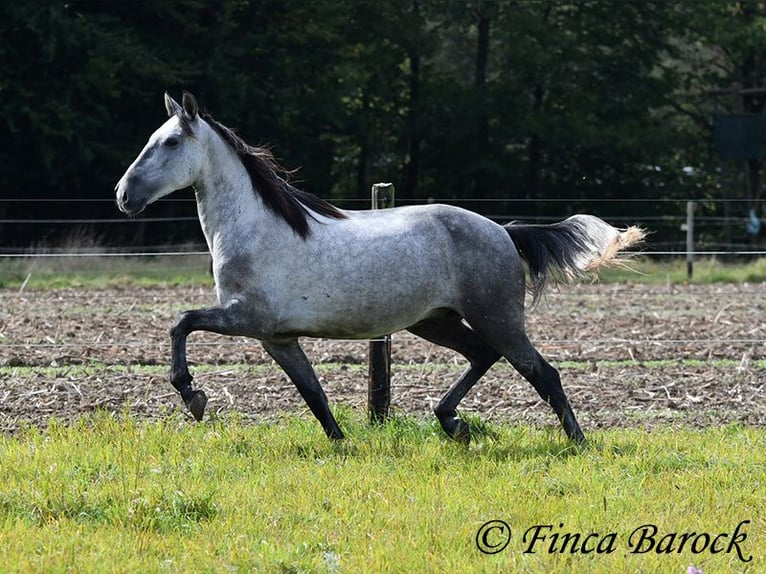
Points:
[[353, 318]]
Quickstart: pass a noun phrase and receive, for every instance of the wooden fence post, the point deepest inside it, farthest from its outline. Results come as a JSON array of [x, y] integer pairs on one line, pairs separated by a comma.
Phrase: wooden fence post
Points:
[[689, 239], [379, 382]]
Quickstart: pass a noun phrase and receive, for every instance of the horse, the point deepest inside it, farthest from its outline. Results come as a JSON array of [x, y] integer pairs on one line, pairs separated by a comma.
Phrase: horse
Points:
[[288, 264]]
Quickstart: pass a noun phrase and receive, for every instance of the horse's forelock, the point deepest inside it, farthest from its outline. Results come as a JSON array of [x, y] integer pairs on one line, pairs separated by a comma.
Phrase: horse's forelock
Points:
[[185, 122]]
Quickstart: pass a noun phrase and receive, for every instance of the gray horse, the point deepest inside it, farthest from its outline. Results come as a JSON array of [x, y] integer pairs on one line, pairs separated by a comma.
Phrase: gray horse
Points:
[[288, 264]]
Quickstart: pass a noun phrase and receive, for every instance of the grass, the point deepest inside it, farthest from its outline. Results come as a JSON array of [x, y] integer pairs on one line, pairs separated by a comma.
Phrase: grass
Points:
[[706, 271], [114, 494], [101, 272]]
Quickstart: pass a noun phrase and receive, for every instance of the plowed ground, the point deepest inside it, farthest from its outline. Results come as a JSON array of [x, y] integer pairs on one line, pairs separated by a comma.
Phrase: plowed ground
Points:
[[628, 355]]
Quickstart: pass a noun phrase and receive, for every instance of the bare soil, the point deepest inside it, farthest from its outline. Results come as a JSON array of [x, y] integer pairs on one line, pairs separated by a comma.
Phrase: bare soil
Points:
[[628, 355]]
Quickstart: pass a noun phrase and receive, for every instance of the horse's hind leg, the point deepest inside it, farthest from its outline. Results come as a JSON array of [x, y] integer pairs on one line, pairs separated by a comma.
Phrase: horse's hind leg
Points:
[[546, 381], [450, 332], [505, 332]]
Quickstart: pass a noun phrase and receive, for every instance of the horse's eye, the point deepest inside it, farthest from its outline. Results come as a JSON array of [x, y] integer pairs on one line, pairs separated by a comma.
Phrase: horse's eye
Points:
[[171, 142]]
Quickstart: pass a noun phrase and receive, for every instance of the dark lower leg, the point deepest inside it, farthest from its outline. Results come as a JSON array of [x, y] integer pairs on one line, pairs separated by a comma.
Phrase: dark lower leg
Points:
[[547, 382], [292, 359], [230, 319], [450, 332], [446, 410], [180, 378]]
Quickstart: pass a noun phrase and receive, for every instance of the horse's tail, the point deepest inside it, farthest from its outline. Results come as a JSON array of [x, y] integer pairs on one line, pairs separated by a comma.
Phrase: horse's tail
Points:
[[575, 247]]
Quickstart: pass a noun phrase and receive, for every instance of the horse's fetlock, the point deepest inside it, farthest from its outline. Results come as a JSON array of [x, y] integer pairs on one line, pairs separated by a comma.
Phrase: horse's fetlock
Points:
[[444, 413], [336, 434], [181, 379]]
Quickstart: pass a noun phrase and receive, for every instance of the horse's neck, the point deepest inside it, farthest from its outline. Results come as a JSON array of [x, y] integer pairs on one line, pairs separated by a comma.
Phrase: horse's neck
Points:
[[231, 214]]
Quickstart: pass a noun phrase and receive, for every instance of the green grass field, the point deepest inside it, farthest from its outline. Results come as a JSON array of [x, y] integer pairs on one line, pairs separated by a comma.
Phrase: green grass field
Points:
[[706, 271], [113, 494], [193, 269]]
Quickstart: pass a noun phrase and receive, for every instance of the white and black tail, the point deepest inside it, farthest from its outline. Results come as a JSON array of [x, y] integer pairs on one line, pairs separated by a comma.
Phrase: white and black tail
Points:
[[575, 247]]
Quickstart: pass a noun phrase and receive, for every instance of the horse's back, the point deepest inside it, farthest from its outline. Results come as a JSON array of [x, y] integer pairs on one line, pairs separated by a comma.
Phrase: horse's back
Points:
[[388, 269], [458, 227], [422, 241]]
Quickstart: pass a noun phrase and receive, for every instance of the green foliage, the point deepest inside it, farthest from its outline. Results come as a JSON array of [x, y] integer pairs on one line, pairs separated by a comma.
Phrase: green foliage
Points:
[[110, 493], [596, 100]]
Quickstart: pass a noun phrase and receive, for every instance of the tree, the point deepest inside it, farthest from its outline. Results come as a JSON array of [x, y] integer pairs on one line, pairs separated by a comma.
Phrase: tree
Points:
[[470, 99], [719, 68]]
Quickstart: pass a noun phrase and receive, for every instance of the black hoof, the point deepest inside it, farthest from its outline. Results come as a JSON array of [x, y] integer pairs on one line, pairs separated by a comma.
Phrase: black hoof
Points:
[[572, 428], [579, 439], [576, 435], [197, 404], [461, 433], [336, 435]]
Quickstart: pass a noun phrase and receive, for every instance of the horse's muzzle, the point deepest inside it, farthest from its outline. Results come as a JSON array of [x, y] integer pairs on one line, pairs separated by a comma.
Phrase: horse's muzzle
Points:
[[130, 198]]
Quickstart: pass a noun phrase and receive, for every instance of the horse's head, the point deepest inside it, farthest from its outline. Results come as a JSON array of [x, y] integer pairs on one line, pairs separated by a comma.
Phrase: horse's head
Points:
[[170, 160]]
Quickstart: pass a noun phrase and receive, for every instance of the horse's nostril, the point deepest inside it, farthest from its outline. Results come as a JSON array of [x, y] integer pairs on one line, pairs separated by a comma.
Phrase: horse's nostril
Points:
[[123, 198]]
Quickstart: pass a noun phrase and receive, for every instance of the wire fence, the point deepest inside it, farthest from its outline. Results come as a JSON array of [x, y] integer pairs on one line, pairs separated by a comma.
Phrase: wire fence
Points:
[[716, 235]]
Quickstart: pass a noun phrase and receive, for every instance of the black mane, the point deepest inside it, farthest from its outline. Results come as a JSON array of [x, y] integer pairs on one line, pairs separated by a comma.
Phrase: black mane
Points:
[[271, 181]]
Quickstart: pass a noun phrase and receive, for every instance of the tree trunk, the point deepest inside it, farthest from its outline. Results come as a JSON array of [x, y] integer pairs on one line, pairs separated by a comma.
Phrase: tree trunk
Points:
[[482, 58], [535, 149], [751, 72], [364, 150], [413, 126]]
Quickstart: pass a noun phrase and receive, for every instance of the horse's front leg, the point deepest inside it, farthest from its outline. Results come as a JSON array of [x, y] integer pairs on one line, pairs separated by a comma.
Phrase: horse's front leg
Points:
[[180, 378], [230, 319], [293, 360]]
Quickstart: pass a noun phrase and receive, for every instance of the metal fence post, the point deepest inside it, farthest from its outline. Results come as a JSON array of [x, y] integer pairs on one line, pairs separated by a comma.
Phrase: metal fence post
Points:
[[379, 382]]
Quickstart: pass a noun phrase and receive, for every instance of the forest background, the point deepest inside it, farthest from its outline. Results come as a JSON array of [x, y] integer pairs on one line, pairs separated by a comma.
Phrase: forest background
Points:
[[517, 109]]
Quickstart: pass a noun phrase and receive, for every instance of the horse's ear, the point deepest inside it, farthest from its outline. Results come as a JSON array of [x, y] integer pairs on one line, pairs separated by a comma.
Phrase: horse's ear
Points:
[[171, 106], [190, 106]]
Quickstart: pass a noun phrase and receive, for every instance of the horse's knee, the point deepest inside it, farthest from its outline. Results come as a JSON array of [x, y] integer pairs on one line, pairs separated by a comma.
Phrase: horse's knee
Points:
[[180, 327]]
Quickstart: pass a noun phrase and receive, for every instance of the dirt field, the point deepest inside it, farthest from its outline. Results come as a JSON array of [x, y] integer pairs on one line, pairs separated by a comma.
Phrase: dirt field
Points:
[[628, 355]]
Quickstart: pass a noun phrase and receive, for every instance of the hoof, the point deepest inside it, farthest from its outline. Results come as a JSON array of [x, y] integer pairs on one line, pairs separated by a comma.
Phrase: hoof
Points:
[[575, 434], [580, 440], [573, 430], [462, 432], [197, 404], [336, 435]]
